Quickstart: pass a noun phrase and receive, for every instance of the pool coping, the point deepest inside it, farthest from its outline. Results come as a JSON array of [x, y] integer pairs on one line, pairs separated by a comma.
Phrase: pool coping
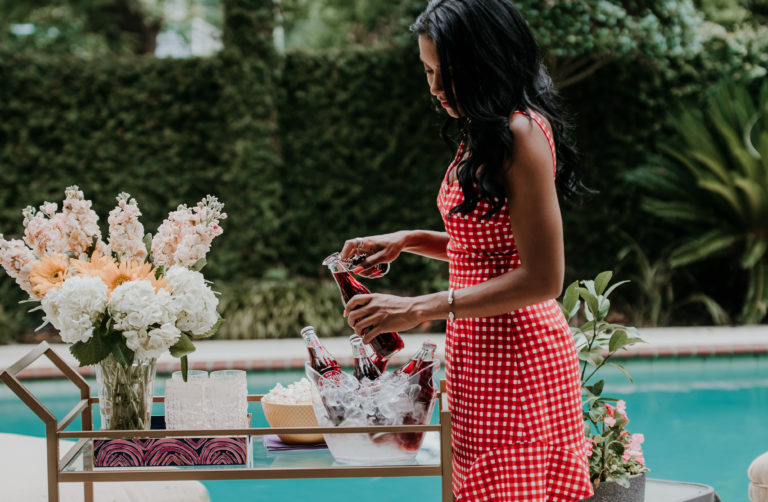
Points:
[[290, 354]]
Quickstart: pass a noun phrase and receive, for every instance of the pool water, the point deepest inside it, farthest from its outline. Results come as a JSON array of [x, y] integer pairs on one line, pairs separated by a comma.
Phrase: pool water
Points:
[[704, 421]]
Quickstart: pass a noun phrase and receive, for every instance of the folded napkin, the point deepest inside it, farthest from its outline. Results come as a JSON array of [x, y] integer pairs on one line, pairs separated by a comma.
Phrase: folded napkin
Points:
[[272, 442]]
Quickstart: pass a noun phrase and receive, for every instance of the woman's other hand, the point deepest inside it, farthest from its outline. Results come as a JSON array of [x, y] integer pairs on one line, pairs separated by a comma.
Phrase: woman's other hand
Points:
[[378, 249], [379, 313]]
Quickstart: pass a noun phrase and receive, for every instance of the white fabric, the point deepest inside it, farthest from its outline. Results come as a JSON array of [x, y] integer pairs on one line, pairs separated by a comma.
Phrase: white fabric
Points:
[[758, 475], [23, 478]]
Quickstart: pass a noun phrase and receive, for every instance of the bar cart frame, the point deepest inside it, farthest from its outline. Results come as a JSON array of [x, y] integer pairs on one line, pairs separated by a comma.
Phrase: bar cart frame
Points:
[[55, 430]]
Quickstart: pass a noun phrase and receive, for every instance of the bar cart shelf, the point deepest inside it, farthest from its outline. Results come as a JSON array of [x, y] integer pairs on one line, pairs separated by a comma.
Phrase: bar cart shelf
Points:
[[76, 465]]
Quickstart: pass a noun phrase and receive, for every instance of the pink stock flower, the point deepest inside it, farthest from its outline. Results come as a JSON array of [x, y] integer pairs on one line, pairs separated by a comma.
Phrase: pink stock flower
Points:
[[609, 421], [610, 409], [73, 230], [81, 223], [590, 443], [17, 261], [186, 236], [126, 233]]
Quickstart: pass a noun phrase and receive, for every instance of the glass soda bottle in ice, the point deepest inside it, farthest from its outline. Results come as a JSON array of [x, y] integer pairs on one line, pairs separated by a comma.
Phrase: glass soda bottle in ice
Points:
[[421, 365], [363, 367], [383, 345], [330, 372], [379, 362], [319, 358]]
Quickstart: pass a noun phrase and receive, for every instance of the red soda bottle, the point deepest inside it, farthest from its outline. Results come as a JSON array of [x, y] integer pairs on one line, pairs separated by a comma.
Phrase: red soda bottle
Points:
[[363, 366], [383, 345], [319, 358], [420, 364], [330, 372], [379, 362]]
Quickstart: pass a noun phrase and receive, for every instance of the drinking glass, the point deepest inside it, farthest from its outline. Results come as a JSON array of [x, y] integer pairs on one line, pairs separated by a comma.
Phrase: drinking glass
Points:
[[227, 399], [185, 401]]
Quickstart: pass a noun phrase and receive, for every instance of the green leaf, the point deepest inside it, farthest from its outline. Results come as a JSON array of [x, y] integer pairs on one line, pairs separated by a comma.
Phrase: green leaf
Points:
[[570, 303], [602, 280], [604, 305], [591, 300], [597, 388], [199, 264], [703, 246], [618, 341], [621, 368], [122, 353], [91, 352], [182, 347], [616, 285], [617, 447], [148, 246]]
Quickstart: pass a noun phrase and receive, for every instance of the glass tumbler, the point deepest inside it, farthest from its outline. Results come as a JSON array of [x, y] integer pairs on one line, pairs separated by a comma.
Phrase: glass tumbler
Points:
[[185, 401], [227, 400]]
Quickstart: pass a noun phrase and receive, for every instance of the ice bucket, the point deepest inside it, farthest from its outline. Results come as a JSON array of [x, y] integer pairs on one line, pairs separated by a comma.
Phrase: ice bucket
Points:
[[355, 410]]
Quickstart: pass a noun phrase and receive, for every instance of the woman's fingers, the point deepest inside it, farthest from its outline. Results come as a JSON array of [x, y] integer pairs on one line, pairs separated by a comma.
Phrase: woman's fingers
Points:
[[356, 302], [350, 247], [366, 323]]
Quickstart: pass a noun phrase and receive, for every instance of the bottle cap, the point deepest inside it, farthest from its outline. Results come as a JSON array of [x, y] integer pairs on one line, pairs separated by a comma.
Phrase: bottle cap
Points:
[[307, 329]]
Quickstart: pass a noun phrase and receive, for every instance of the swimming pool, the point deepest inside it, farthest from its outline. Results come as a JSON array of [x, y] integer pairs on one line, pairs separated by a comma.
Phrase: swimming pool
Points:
[[704, 421]]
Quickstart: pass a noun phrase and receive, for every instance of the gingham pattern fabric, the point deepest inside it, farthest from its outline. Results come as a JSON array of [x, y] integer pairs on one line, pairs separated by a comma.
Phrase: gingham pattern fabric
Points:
[[513, 380]]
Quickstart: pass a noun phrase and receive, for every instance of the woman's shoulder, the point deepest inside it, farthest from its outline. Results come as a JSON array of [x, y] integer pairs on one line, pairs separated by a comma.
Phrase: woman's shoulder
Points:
[[525, 123], [532, 142]]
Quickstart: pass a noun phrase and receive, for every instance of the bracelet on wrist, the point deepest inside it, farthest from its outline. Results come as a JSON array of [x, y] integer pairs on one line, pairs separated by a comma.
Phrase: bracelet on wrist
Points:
[[451, 316]]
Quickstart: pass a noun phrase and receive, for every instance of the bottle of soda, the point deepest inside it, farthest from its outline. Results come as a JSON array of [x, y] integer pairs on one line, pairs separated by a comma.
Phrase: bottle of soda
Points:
[[379, 362], [383, 345], [415, 362], [319, 358], [330, 372], [363, 366], [420, 364]]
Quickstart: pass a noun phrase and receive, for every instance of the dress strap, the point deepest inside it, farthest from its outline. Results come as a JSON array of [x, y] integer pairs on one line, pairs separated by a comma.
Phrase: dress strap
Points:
[[455, 161], [547, 133]]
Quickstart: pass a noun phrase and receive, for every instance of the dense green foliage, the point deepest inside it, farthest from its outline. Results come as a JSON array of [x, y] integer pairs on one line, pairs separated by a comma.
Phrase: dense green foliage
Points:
[[713, 182], [308, 149]]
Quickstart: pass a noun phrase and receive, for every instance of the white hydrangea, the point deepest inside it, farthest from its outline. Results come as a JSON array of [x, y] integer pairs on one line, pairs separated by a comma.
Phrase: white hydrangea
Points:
[[145, 317], [75, 308], [151, 343], [195, 302]]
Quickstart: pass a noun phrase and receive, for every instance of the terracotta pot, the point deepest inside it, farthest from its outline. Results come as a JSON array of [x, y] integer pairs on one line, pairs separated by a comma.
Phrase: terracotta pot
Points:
[[608, 491]]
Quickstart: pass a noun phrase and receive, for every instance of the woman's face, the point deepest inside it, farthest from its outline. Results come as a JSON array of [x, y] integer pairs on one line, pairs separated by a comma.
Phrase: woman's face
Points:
[[428, 54]]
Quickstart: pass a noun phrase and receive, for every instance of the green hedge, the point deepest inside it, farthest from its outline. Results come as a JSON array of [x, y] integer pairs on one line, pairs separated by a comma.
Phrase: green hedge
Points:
[[361, 155], [305, 149]]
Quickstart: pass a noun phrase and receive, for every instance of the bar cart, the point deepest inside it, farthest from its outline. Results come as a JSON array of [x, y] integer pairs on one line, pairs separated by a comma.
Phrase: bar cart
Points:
[[77, 466]]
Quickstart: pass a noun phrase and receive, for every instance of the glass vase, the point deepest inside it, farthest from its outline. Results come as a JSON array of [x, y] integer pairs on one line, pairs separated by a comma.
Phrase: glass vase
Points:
[[125, 393]]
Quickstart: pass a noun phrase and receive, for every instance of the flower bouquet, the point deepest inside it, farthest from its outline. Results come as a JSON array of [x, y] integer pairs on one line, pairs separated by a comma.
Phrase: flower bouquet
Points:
[[120, 303], [614, 454]]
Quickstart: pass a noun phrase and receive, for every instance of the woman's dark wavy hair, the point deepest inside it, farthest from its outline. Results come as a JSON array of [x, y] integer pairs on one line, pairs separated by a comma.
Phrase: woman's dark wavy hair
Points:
[[491, 66]]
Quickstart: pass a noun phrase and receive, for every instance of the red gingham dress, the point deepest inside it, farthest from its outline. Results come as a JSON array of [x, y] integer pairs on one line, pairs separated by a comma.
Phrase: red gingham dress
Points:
[[513, 380]]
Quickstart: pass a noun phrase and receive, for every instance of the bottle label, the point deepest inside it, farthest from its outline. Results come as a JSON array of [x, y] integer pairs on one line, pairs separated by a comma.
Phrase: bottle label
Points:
[[332, 376]]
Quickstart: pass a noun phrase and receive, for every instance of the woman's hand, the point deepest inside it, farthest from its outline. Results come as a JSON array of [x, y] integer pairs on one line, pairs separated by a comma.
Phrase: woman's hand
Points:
[[381, 313], [378, 249]]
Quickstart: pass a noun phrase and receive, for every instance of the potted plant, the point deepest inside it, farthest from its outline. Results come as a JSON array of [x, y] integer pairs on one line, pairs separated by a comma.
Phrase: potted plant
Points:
[[616, 463]]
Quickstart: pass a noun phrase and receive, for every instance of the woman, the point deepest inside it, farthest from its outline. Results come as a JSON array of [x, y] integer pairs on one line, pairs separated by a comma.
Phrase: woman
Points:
[[511, 368]]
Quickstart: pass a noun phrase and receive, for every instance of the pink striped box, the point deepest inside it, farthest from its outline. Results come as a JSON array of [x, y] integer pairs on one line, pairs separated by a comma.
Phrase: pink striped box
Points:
[[176, 451]]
